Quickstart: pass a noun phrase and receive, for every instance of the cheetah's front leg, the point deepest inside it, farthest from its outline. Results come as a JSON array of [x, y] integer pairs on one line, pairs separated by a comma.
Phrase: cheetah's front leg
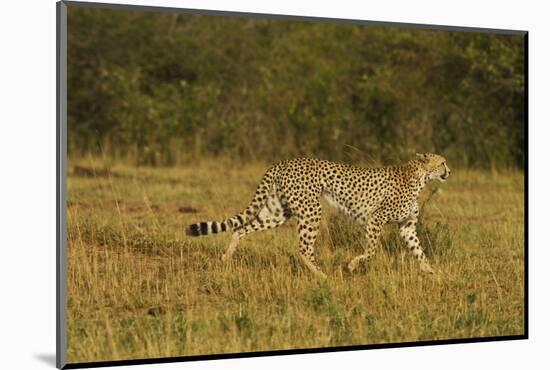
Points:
[[374, 226], [407, 229]]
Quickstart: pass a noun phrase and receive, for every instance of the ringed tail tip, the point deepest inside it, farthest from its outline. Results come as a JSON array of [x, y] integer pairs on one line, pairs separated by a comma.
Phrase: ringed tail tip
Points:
[[193, 230], [206, 228]]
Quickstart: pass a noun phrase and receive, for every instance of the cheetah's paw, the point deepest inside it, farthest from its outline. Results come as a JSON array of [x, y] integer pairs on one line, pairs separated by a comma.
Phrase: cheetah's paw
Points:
[[425, 267]]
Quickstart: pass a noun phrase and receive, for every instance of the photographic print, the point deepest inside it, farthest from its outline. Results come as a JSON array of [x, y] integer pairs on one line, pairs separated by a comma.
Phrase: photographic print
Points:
[[241, 184]]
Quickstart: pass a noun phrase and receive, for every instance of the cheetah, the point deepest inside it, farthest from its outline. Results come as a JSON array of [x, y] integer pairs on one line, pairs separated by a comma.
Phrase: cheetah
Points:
[[372, 197]]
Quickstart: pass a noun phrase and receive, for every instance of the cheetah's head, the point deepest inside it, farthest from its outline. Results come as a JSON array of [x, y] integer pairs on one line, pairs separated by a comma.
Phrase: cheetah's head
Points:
[[435, 166]]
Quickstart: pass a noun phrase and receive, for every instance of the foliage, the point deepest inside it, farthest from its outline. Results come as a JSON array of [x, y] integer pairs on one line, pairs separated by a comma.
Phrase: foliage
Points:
[[164, 88]]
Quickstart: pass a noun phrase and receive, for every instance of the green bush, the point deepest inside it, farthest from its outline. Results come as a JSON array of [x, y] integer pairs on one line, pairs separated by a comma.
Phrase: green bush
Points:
[[162, 89]]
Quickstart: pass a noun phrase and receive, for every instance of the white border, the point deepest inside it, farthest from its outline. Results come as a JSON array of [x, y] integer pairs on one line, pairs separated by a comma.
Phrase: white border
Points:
[[27, 153]]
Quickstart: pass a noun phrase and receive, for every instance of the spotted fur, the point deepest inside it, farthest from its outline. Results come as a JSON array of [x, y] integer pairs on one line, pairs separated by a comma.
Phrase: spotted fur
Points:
[[372, 197]]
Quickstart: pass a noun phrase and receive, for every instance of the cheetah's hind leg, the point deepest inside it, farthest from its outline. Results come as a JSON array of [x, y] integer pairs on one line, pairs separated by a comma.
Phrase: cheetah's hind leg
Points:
[[270, 216], [308, 228]]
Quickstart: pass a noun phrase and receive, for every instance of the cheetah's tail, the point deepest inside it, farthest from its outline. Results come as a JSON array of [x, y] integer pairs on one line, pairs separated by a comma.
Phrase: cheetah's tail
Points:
[[207, 228], [240, 219]]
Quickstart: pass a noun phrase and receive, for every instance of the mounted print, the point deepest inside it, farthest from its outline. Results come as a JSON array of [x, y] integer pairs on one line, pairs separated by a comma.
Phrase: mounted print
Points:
[[235, 184]]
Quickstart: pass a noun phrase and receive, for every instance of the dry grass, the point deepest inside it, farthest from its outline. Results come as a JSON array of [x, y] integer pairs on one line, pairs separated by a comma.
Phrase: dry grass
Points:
[[139, 288]]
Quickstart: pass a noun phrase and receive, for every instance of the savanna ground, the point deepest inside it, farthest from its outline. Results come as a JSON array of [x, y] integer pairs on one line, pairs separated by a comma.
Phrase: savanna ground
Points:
[[139, 288]]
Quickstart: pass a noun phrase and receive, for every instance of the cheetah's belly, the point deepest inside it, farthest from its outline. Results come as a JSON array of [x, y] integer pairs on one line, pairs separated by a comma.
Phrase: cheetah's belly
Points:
[[359, 212], [332, 201]]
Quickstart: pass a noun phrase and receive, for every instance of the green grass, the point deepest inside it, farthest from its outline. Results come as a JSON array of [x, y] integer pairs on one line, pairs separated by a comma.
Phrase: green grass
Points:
[[139, 288]]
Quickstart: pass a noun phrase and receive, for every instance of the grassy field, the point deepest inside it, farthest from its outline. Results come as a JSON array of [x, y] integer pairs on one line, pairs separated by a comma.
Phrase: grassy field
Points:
[[139, 288]]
